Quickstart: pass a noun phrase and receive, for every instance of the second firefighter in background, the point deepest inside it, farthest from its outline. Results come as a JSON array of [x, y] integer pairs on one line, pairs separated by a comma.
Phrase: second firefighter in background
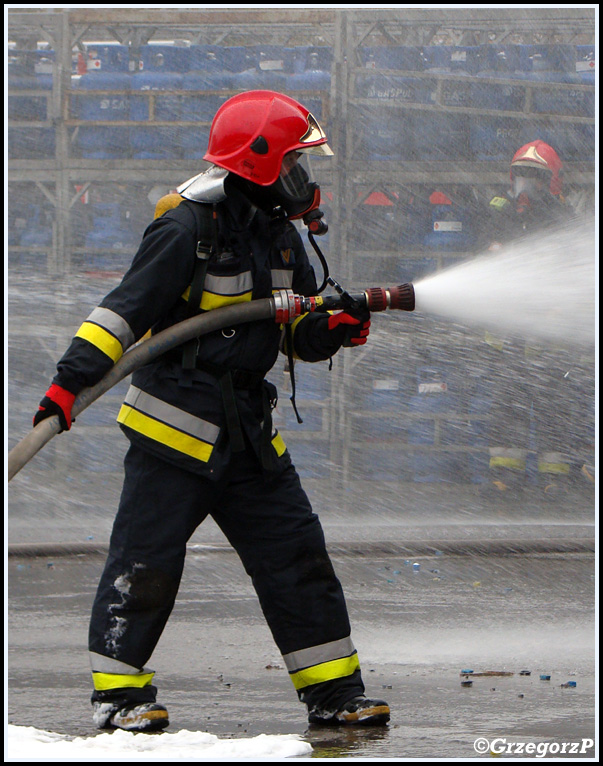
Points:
[[540, 394]]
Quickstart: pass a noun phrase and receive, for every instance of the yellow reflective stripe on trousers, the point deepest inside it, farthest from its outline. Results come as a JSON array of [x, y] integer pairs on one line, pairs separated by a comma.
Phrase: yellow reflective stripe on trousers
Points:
[[557, 468], [508, 462], [105, 681], [326, 671], [102, 339], [164, 434]]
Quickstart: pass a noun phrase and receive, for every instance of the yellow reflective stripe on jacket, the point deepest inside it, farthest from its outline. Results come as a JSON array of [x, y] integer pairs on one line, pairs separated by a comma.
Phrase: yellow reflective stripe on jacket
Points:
[[169, 425], [105, 681], [224, 291], [279, 445], [164, 434], [108, 331], [102, 339], [211, 301], [326, 671]]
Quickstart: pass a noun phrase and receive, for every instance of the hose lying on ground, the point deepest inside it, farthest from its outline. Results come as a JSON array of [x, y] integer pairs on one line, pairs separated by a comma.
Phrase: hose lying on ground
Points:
[[136, 357]]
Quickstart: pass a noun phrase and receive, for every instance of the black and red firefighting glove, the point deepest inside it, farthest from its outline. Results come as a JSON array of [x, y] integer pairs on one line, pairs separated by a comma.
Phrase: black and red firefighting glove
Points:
[[351, 326], [56, 401]]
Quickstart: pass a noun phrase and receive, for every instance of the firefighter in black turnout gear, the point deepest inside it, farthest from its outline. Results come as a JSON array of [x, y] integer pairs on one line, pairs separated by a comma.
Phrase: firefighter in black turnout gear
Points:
[[199, 420]]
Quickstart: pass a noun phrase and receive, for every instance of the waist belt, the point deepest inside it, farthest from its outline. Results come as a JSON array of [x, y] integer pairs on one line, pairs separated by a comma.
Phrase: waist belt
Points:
[[228, 380], [240, 378]]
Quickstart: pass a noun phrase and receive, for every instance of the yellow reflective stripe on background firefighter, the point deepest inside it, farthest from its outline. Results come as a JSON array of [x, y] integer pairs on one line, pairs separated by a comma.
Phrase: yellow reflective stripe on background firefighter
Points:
[[554, 462], [109, 332], [168, 425], [503, 457], [324, 662]]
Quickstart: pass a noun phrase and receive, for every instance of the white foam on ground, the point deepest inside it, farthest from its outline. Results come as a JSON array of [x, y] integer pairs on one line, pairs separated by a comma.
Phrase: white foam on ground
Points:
[[29, 744]]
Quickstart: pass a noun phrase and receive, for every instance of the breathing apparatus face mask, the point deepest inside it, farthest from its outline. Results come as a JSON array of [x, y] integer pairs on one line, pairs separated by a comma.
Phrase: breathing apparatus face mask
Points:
[[293, 191], [530, 184]]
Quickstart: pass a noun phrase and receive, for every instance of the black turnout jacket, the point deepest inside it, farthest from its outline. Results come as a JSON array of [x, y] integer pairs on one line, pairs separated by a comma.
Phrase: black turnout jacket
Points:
[[196, 417]]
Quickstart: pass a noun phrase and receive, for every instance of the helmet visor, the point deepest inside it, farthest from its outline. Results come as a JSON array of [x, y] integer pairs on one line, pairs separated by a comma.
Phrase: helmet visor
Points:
[[294, 176], [294, 190]]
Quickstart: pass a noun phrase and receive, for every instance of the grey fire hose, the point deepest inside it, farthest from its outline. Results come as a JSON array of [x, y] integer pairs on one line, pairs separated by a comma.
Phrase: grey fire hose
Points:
[[136, 357]]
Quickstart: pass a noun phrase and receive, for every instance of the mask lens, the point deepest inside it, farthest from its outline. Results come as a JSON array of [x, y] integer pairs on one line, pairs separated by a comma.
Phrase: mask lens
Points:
[[532, 187], [294, 176], [294, 191]]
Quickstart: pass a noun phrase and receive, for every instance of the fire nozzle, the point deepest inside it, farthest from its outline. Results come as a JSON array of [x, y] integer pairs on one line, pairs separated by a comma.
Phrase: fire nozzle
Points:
[[401, 297], [289, 306]]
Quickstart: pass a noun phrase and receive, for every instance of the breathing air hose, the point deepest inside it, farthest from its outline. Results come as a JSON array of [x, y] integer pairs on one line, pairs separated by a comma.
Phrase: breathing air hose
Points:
[[283, 307]]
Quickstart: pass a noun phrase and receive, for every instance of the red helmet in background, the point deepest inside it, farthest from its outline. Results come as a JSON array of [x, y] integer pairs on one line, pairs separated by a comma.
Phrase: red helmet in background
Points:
[[252, 132], [539, 156]]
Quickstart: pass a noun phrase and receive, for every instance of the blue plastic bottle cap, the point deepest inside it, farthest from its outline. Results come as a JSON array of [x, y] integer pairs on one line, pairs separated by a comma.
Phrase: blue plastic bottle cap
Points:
[[466, 672], [545, 677]]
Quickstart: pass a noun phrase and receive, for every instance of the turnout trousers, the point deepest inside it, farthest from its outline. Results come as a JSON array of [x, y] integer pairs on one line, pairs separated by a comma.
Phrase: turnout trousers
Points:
[[270, 523]]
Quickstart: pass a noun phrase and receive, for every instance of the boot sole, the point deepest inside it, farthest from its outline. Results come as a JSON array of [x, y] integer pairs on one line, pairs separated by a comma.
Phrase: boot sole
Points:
[[372, 716], [153, 720]]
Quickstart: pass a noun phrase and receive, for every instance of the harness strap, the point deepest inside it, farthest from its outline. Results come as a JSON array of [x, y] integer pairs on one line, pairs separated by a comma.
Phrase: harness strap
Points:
[[233, 423], [291, 364], [229, 380], [207, 246], [203, 253], [266, 451]]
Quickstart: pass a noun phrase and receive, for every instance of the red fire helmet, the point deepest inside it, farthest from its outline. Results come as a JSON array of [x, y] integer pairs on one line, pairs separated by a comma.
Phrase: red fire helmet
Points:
[[538, 154], [252, 132]]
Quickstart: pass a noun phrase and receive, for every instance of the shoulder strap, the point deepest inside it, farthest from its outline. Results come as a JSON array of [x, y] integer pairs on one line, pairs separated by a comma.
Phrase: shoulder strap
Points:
[[206, 226]]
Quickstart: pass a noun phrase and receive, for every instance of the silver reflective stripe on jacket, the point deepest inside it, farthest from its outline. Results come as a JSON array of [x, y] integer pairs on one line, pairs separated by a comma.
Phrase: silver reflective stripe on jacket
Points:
[[108, 331], [168, 425], [114, 324], [233, 285], [282, 279]]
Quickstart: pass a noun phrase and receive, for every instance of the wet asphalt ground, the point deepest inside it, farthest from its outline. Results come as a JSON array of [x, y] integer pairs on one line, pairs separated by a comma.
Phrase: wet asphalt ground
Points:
[[510, 598]]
